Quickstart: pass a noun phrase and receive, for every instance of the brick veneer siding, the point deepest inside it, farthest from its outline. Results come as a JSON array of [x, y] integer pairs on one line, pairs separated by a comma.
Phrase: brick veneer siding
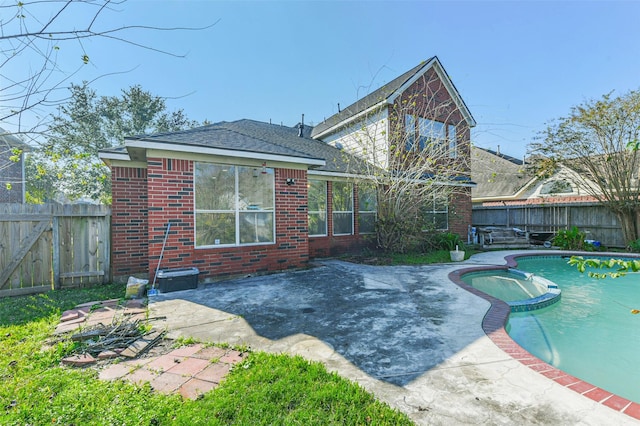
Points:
[[460, 212], [171, 199], [128, 222], [428, 97]]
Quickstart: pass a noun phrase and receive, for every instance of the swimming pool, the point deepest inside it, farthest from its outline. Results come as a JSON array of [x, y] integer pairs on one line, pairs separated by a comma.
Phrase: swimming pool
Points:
[[522, 291], [505, 285], [591, 333]]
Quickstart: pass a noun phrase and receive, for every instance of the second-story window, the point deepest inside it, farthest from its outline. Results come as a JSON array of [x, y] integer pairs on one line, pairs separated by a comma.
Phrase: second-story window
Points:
[[431, 135], [438, 138], [410, 130]]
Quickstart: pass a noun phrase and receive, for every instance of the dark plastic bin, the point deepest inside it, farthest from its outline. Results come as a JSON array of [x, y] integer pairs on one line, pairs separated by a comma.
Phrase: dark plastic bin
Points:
[[177, 279]]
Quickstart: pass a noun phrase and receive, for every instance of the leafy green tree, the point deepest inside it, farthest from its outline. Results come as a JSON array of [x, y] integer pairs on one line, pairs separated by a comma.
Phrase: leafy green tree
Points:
[[594, 141], [43, 45], [68, 162], [620, 266]]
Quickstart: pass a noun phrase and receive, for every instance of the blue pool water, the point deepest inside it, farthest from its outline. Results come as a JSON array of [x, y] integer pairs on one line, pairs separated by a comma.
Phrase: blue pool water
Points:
[[590, 333], [504, 285]]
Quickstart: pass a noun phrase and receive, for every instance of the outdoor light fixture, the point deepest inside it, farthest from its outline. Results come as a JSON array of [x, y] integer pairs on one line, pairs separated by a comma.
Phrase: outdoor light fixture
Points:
[[290, 181], [264, 168]]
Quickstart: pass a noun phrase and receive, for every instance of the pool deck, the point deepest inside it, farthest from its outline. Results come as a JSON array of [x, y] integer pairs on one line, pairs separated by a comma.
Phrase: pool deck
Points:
[[457, 367]]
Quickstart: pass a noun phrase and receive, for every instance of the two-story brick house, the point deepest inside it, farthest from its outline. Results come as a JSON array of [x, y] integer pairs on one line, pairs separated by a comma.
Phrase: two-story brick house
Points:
[[248, 197]]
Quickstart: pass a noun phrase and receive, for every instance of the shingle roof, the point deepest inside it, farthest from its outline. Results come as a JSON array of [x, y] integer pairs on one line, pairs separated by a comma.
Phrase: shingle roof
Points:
[[260, 138], [8, 140], [497, 175], [387, 93], [368, 101]]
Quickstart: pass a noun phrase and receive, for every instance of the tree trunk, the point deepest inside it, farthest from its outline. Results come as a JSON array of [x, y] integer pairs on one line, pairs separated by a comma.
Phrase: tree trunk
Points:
[[629, 223]]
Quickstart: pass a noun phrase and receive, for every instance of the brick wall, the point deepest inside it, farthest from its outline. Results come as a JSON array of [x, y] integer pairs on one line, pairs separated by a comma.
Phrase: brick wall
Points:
[[170, 189], [129, 222], [460, 212], [171, 199], [429, 98]]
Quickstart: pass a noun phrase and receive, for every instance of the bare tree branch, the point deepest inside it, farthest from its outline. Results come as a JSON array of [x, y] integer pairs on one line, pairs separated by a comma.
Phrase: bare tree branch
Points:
[[34, 32]]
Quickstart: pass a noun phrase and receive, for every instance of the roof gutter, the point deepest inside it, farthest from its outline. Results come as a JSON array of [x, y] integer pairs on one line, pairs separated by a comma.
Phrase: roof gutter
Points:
[[194, 149]]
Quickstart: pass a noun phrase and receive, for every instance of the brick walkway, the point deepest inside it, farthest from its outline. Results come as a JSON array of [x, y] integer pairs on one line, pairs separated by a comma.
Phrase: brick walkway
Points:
[[190, 370]]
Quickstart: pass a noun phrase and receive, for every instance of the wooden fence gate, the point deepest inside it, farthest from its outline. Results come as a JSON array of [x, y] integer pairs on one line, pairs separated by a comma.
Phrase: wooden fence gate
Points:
[[51, 246]]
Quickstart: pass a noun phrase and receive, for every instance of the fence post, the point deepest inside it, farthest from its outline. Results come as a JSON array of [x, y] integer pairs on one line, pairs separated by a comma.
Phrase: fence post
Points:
[[55, 262]]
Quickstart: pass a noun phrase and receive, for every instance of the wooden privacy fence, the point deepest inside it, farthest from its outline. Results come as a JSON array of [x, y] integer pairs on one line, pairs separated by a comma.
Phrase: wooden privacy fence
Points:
[[51, 246], [597, 221]]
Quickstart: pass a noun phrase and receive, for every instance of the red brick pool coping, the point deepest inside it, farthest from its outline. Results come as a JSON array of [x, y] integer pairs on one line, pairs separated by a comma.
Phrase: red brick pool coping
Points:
[[493, 325]]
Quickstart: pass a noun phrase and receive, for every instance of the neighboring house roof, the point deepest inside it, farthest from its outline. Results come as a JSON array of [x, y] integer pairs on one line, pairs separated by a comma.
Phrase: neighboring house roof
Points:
[[242, 138], [497, 175], [388, 93], [8, 140], [506, 180]]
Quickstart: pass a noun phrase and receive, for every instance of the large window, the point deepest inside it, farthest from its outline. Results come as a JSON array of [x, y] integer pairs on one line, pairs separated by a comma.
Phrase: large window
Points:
[[437, 212], [367, 208], [234, 205], [342, 208], [432, 135], [317, 210], [410, 130]]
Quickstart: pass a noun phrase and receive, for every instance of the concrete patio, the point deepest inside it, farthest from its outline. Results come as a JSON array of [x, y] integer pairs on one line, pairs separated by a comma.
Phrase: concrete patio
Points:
[[406, 333]]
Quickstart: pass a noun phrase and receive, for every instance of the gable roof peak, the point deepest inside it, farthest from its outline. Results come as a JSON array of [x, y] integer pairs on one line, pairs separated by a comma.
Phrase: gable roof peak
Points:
[[387, 94]]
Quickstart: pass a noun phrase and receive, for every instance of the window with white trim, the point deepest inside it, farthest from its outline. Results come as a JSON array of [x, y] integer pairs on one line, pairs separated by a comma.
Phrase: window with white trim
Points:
[[317, 207], [234, 205], [431, 135], [426, 134], [410, 130], [436, 212], [342, 203], [367, 208]]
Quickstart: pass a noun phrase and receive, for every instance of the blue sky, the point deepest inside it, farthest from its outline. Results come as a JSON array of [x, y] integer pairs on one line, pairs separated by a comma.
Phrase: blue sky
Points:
[[517, 65]]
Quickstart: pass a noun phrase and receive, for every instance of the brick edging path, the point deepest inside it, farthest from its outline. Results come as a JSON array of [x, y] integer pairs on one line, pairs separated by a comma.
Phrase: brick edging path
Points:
[[190, 370]]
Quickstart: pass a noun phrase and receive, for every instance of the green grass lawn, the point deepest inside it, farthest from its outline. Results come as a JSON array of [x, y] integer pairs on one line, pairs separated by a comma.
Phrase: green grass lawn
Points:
[[263, 389]]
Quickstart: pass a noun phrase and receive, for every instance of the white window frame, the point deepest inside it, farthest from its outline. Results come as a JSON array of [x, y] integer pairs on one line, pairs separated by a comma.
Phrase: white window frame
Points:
[[361, 211], [432, 209], [420, 131], [334, 212], [319, 212], [410, 130], [236, 210]]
